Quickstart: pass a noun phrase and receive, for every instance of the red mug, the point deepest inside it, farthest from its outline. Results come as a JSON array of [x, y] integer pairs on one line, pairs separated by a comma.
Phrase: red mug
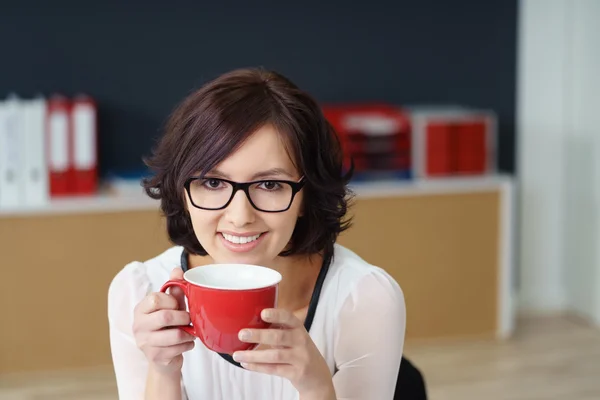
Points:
[[224, 299]]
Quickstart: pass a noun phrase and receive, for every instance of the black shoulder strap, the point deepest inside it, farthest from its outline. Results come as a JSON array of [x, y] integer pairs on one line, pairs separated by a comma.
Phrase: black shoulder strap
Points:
[[314, 299]]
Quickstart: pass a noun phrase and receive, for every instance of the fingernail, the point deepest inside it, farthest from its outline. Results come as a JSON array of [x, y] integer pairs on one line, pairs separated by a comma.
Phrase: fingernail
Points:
[[237, 356], [244, 335], [244, 365], [266, 314]]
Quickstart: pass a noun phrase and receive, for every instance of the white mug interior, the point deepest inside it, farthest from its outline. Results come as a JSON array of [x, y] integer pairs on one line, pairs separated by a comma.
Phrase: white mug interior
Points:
[[232, 276]]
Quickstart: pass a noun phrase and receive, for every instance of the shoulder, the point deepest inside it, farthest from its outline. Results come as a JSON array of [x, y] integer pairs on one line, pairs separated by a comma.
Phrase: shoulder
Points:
[[348, 270], [139, 278], [355, 280]]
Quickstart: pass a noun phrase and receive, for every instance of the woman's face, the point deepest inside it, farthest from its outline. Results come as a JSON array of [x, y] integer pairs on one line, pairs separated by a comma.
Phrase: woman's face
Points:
[[240, 233]]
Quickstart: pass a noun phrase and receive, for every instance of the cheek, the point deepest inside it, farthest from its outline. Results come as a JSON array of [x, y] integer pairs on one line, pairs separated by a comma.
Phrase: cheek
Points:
[[202, 222], [283, 224], [287, 221]]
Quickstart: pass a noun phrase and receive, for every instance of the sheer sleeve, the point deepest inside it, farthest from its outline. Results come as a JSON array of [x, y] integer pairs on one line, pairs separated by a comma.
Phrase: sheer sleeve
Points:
[[126, 290], [370, 339]]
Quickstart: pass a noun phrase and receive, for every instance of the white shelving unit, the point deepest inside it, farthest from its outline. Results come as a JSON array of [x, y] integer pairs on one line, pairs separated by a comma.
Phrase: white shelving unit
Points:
[[130, 196]]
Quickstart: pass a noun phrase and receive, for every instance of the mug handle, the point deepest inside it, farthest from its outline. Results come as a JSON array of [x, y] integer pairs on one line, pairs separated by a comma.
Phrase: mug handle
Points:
[[183, 285]]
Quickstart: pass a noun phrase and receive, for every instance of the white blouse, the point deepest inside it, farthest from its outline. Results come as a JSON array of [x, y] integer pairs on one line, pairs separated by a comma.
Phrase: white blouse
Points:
[[358, 327]]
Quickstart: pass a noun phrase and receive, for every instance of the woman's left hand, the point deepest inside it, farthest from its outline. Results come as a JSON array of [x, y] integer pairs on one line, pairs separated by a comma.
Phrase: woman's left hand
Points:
[[293, 355]]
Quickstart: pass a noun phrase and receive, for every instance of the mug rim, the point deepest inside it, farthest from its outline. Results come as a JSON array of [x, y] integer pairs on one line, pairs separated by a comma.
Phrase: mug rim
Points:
[[277, 277]]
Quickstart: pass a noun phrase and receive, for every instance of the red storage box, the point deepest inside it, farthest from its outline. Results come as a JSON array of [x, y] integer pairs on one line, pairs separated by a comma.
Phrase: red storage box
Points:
[[375, 136], [453, 141]]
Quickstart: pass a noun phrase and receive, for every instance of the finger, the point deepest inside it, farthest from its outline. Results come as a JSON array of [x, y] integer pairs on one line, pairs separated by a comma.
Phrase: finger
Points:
[[174, 351], [282, 370], [177, 273], [163, 319], [281, 317], [169, 337], [268, 356], [157, 301], [166, 354], [271, 337]]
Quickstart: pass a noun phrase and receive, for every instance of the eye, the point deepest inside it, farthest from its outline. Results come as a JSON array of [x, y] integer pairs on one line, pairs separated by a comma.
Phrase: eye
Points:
[[270, 185], [212, 183]]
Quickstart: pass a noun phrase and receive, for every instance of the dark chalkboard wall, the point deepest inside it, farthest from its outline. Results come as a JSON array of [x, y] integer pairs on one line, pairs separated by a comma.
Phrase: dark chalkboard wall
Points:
[[138, 59]]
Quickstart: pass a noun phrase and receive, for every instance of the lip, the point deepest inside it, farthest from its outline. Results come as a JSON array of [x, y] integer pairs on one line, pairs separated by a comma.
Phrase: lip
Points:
[[245, 234], [241, 247]]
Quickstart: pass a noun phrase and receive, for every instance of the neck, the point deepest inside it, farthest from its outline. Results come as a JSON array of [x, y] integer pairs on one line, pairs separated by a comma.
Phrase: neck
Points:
[[299, 276]]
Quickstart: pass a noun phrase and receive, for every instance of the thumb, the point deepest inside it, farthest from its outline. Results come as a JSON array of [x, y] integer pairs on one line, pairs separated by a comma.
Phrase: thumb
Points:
[[177, 273]]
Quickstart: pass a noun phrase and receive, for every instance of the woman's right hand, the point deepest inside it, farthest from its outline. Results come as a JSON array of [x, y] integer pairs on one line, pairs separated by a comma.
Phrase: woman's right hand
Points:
[[154, 327]]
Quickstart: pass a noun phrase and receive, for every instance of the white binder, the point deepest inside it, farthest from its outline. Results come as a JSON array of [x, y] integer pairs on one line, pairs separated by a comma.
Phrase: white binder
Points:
[[35, 169], [11, 182]]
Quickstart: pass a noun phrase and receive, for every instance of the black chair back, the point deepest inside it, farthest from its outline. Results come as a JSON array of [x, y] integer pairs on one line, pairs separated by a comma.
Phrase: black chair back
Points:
[[410, 384]]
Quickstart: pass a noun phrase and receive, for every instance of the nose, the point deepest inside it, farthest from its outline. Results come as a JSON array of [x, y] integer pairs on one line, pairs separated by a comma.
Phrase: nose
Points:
[[240, 212]]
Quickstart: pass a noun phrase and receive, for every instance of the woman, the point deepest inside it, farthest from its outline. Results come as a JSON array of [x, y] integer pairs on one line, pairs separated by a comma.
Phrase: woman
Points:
[[341, 321]]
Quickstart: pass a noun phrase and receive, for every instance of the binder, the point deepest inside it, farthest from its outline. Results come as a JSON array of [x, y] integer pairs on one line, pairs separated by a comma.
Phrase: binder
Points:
[[59, 144], [11, 184], [35, 173], [85, 145]]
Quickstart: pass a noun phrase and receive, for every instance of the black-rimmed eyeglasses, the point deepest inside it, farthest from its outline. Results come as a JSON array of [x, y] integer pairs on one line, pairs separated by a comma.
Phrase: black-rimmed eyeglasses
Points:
[[265, 195]]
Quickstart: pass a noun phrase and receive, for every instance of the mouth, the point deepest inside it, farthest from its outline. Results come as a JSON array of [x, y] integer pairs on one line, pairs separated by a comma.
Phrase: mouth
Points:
[[240, 239], [241, 242]]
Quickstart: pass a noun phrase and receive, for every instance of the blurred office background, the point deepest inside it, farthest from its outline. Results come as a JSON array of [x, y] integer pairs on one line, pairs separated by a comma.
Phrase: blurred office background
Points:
[[493, 233]]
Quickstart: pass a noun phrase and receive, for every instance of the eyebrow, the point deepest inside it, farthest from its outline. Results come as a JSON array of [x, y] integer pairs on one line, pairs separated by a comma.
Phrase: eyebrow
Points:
[[273, 172]]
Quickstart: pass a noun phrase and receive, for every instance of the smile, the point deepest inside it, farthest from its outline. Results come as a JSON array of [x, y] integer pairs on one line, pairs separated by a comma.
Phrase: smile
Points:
[[240, 239]]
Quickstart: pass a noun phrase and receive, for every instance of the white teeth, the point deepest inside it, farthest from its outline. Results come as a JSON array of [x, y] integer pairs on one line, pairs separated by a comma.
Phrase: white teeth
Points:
[[240, 239]]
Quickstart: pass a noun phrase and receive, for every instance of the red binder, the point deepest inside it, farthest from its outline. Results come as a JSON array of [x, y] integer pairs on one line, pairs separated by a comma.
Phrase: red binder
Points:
[[85, 145], [58, 140], [440, 152], [473, 149]]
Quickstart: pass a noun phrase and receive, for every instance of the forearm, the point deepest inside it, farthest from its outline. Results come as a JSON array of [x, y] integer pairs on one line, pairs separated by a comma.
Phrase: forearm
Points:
[[163, 386], [327, 393]]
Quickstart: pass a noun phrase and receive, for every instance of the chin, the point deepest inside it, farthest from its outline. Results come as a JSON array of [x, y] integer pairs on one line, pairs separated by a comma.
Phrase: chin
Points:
[[233, 258]]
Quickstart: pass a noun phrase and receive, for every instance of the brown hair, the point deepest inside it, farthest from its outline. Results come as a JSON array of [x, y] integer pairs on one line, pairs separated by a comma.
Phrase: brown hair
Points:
[[213, 121]]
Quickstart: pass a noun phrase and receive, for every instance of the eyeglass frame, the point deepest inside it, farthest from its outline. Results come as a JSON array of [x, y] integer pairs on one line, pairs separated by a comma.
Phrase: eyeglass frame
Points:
[[245, 187]]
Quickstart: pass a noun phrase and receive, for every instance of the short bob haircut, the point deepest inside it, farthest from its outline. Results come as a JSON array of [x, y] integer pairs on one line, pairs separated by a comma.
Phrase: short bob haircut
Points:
[[215, 120]]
